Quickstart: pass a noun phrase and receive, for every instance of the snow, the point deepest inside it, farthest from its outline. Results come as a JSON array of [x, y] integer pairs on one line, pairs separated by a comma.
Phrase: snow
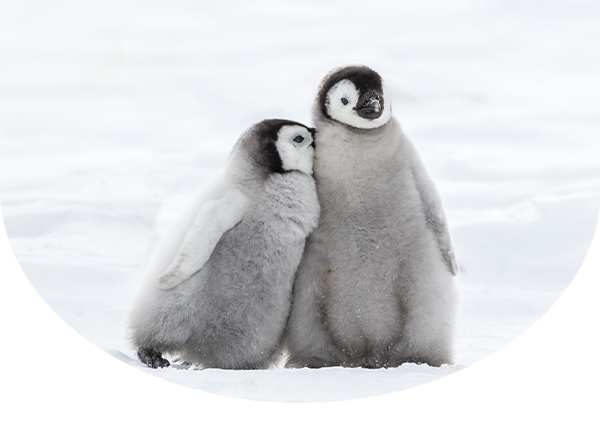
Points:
[[115, 114]]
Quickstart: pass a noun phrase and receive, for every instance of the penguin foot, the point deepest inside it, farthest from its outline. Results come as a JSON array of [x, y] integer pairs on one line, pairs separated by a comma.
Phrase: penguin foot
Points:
[[152, 358], [311, 363], [372, 363]]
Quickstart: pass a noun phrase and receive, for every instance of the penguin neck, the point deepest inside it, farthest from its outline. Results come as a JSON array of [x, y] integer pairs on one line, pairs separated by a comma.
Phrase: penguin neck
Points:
[[352, 152], [371, 134], [363, 134]]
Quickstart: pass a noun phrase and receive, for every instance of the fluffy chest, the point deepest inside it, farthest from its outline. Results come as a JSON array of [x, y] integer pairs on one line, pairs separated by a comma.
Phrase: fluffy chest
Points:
[[363, 179]]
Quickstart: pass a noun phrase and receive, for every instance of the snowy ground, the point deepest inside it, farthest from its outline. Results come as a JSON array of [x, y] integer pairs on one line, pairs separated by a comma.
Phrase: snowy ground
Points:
[[114, 114]]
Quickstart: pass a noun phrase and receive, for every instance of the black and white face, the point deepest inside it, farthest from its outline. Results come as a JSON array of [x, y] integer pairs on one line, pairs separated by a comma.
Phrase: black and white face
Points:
[[295, 145], [355, 96], [280, 146]]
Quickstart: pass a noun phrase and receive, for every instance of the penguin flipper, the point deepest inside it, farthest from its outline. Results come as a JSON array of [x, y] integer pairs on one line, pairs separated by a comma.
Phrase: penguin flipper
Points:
[[221, 211], [434, 214]]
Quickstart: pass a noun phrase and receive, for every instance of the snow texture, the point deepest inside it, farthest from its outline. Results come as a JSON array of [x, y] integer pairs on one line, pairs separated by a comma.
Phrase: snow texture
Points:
[[115, 114]]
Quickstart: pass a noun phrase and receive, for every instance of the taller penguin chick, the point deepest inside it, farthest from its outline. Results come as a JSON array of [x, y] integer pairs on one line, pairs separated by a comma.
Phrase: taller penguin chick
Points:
[[218, 292], [375, 287]]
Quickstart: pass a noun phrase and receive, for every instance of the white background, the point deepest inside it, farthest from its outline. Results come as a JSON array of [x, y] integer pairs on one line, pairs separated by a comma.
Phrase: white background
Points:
[[114, 114]]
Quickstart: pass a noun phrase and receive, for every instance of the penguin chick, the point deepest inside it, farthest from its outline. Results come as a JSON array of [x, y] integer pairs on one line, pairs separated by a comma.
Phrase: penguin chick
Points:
[[374, 287], [218, 292]]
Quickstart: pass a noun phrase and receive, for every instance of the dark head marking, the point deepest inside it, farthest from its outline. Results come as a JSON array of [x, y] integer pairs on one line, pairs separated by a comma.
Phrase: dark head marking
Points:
[[367, 82], [266, 133]]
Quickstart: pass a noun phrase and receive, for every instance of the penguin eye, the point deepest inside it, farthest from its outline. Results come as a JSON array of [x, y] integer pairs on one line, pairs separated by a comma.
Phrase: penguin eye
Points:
[[298, 139], [344, 101]]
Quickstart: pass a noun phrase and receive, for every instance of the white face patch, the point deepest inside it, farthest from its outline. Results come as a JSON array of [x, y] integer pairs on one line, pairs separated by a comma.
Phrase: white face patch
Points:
[[294, 147], [338, 109]]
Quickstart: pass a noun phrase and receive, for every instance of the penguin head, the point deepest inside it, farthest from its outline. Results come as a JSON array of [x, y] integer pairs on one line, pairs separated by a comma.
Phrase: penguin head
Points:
[[296, 148], [278, 146], [355, 96]]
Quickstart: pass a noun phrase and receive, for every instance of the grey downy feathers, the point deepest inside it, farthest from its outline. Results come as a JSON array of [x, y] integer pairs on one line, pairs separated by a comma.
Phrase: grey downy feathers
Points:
[[375, 285], [218, 291]]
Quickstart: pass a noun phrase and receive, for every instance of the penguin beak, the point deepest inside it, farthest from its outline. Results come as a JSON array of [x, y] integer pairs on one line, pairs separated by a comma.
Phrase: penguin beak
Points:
[[313, 132], [371, 106]]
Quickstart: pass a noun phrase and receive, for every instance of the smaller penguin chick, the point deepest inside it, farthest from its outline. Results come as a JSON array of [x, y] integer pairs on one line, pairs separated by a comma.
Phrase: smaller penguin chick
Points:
[[218, 292]]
